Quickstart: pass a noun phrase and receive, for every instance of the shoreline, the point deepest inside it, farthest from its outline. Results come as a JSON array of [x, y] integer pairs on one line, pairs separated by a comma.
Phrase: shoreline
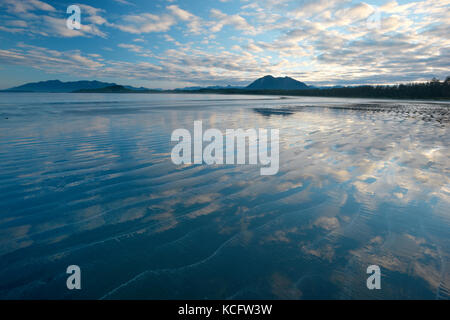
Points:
[[282, 95]]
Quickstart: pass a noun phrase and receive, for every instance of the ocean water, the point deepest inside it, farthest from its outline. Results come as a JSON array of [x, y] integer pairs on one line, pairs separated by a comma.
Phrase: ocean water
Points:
[[87, 180]]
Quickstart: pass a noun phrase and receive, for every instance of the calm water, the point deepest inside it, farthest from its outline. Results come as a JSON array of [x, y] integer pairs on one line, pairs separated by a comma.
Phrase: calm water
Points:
[[88, 180]]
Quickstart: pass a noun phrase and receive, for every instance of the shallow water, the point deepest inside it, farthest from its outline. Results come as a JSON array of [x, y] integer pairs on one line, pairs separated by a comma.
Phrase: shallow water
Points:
[[87, 179]]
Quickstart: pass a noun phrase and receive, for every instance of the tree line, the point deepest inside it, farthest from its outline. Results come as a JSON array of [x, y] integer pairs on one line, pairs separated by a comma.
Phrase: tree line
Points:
[[434, 89]]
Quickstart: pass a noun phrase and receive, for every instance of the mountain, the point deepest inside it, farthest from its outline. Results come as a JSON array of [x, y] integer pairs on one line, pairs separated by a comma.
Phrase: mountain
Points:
[[59, 86], [140, 88], [54, 86], [188, 89], [109, 89], [117, 89], [272, 83], [209, 88]]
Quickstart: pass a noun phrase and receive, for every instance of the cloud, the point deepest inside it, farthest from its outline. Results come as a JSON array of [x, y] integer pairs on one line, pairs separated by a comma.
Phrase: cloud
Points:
[[235, 20], [50, 23], [24, 6], [17, 23], [124, 2], [194, 22], [131, 47], [149, 22], [146, 23], [353, 14], [309, 8], [49, 60], [180, 13], [93, 14], [57, 27]]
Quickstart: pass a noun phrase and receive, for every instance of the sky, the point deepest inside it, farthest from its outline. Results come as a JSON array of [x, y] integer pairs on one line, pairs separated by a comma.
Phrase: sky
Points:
[[177, 43]]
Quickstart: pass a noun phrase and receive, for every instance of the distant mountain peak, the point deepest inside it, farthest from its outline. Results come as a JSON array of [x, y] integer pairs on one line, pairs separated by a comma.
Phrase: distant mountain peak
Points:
[[55, 86], [59, 86], [270, 82]]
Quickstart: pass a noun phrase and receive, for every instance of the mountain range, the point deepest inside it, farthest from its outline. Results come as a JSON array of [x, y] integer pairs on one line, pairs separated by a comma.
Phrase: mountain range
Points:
[[56, 86], [268, 85], [272, 83], [209, 87]]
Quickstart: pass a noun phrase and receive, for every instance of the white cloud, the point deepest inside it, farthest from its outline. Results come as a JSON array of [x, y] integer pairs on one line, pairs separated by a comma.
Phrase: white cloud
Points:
[[124, 2], [24, 6], [57, 27], [146, 22], [310, 8], [149, 22], [49, 60], [131, 47], [50, 23], [353, 14], [235, 20], [194, 22]]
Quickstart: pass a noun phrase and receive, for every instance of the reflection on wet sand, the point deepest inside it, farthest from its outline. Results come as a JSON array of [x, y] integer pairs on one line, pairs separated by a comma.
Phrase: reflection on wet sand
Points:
[[360, 183], [424, 111]]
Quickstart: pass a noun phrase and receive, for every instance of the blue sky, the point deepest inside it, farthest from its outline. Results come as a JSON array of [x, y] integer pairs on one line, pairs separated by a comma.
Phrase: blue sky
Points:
[[177, 43]]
